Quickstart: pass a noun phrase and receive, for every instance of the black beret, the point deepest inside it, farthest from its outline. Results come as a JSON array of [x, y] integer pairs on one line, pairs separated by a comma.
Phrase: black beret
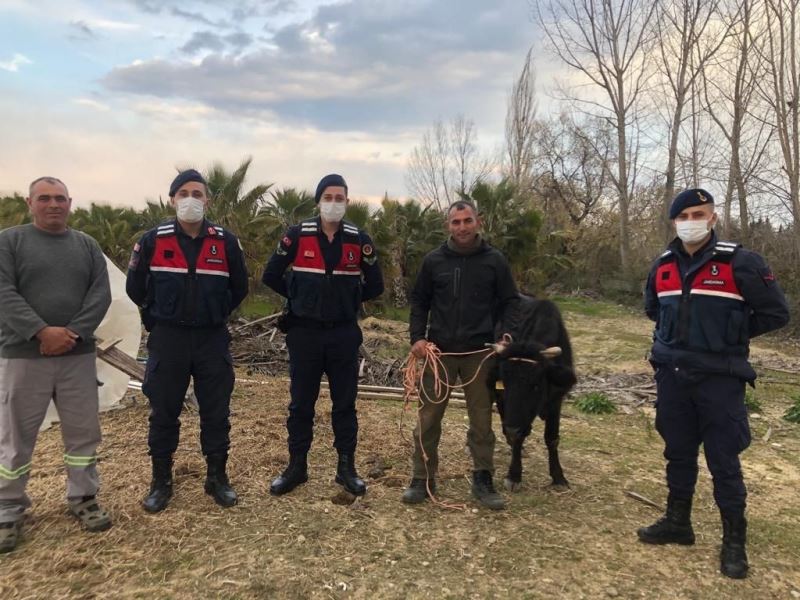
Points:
[[183, 178], [328, 181], [687, 198]]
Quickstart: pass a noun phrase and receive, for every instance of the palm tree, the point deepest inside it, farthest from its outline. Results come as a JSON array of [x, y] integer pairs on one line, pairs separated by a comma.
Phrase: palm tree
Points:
[[403, 234], [509, 223], [240, 211], [13, 211], [285, 208], [154, 214], [358, 213], [115, 229]]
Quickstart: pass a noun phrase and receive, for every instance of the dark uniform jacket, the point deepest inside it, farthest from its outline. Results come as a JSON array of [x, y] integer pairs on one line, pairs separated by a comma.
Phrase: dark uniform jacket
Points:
[[328, 280], [708, 306], [458, 298], [184, 281]]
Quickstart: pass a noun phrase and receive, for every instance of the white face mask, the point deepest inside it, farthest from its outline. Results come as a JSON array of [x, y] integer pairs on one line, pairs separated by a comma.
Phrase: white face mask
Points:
[[189, 209], [333, 212], [692, 232]]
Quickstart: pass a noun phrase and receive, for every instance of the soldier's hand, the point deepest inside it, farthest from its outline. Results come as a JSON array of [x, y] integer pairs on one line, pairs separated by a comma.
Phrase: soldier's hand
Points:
[[54, 341], [418, 349]]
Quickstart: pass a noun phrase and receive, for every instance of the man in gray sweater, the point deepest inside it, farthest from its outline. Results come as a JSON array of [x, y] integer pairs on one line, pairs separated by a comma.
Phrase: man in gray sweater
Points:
[[54, 292]]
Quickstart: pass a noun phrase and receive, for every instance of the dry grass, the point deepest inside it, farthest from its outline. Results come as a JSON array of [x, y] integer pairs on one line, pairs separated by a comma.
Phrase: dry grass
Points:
[[578, 544]]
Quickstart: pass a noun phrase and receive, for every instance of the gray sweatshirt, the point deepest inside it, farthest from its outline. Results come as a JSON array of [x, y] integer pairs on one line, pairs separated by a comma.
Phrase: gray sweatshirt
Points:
[[49, 279]]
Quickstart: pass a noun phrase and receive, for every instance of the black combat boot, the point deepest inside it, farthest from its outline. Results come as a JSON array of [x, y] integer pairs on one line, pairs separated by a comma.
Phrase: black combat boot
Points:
[[732, 557], [346, 475], [160, 486], [675, 527], [294, 474], [417, 490], [217, 484], [484, 492]]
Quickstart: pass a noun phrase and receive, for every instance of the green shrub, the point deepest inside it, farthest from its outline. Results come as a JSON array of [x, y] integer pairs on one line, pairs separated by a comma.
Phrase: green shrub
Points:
[[793, 414], [595, 403], [751, 402]]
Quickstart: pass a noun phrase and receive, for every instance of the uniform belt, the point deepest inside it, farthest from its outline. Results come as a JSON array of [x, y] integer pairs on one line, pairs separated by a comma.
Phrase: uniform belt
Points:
[[314, 324], [188, 325]]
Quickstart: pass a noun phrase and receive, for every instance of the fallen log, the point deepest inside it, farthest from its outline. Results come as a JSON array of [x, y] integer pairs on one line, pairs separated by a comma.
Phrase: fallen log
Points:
[[107, 351], [241, 328]]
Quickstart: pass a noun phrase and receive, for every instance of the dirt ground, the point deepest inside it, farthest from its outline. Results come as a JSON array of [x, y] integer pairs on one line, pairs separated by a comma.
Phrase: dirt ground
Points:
[[314, 543]]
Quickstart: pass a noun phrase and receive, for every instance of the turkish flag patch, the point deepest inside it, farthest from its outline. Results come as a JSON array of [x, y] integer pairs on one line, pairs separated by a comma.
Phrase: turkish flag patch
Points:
[[287, 241]]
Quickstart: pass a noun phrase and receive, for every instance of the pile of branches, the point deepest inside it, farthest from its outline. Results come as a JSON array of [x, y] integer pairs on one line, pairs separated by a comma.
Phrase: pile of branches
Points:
[[261, 348]]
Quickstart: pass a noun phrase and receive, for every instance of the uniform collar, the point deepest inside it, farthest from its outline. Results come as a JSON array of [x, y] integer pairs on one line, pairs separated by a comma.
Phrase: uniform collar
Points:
[[318, 221], [676, 246], [204, 228]]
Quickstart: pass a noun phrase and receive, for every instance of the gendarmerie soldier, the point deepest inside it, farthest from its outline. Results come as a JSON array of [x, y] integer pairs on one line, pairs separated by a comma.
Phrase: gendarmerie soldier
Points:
[[334, 267], [187, 275], [708, 299]]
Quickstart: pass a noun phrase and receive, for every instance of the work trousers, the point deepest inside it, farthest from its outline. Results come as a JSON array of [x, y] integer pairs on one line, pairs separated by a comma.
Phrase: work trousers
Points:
[[696, 409], [174, 355], [334, 352], [26, 387], [480, 435]]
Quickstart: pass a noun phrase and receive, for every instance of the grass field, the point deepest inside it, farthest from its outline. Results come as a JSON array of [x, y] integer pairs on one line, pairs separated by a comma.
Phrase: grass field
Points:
[[575, 544]]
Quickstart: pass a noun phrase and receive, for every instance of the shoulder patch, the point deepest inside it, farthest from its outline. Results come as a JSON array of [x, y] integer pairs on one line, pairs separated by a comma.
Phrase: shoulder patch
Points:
[[767, 275], [134, 260], [367, 250]]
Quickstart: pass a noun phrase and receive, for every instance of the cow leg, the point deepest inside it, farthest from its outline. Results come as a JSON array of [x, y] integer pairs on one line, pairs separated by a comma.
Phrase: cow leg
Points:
[[513, 480], [551, 426]]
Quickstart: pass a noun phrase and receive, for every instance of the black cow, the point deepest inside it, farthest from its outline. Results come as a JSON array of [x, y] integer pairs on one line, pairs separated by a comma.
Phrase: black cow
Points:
[[533, 383]]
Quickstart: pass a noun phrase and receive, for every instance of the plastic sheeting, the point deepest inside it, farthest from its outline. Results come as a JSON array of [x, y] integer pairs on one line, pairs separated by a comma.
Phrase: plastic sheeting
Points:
[[121, 322]]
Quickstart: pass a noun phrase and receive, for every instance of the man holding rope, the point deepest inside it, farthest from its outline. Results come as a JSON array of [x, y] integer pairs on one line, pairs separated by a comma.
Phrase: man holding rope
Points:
[[462, 290]]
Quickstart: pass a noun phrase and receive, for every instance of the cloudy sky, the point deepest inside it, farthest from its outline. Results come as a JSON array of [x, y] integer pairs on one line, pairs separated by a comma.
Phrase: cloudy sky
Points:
[[112, 96]]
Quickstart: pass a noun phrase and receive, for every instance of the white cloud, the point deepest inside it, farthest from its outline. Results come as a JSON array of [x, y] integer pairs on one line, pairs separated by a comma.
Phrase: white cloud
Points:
[[14, 64], [111, 25], [88, 102]]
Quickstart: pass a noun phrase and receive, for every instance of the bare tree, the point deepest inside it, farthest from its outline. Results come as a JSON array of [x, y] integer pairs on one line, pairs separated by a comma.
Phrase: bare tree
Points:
[[520, 126], [688, 36], [729, 97], [447, 163], [781, 90], [570, 168], [606, 41]]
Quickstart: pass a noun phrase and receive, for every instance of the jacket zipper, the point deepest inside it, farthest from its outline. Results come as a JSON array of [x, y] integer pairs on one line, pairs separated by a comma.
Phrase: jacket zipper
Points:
[[457, 294]]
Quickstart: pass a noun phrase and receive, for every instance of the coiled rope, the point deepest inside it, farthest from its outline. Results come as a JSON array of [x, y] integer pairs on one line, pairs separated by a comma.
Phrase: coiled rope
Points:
[[413, 375]]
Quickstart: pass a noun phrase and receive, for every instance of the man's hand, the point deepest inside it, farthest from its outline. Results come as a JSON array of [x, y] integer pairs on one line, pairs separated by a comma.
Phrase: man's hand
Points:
[[418, 349], [500, 346], [56, 340]]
